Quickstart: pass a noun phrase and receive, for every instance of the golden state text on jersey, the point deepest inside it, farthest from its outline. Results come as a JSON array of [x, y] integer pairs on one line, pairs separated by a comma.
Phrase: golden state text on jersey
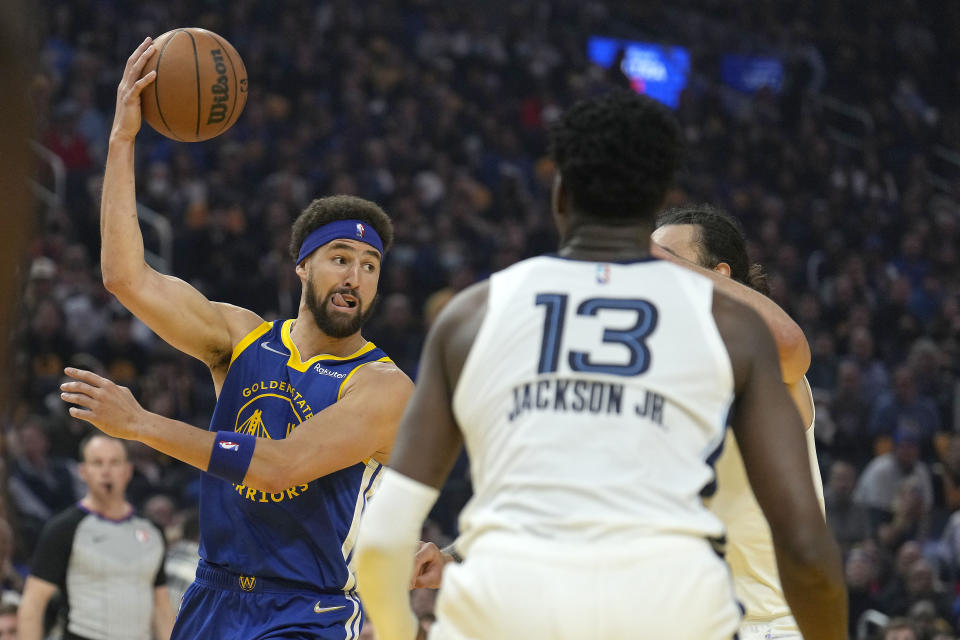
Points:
[[305, 533]]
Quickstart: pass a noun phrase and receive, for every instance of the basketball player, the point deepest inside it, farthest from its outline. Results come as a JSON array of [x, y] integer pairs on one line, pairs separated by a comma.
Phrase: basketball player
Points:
[[710, 242], [307, 410], [709, 238], [592, 390]]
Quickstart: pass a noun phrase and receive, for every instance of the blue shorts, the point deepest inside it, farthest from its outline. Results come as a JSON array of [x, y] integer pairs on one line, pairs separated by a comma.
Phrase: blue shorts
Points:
[[220, 605]]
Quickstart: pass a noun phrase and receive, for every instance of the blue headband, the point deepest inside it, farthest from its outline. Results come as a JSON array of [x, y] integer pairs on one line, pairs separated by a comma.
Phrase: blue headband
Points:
[[348, 229]]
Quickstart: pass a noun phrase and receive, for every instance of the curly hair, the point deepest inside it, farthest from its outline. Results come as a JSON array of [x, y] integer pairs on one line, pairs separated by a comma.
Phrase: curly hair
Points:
[[332, 208], [720, 239], [617, 154]]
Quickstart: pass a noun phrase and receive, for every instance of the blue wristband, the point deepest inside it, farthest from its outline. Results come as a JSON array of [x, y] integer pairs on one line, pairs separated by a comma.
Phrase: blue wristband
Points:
[[231, 455]]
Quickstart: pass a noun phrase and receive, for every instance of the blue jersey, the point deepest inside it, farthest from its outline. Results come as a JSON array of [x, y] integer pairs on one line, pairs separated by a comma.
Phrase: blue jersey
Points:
[[305, 533]]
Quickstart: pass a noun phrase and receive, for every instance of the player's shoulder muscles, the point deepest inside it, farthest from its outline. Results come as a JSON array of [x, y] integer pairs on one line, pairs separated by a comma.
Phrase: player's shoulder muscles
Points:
[[456, 328], [378, 391], [380, 379]]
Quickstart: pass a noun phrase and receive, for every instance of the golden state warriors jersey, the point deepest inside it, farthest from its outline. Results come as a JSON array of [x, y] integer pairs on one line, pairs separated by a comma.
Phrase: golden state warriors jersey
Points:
[[750, 551], [304, 533], [593, 403]]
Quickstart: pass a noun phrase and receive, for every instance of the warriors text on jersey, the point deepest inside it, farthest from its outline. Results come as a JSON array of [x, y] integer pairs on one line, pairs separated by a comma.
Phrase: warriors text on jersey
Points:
[[305, 533], [593, 402]]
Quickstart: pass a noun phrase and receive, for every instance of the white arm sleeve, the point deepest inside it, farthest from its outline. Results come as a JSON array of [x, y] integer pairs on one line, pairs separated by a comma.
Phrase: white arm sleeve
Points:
[[385, 548]]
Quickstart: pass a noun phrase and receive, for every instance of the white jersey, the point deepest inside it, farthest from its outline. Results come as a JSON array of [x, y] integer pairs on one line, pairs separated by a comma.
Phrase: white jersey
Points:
[[749, 542], [593, 402]]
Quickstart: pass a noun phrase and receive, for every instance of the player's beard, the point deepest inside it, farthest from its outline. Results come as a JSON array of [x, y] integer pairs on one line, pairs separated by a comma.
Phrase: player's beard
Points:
[[337, 324]]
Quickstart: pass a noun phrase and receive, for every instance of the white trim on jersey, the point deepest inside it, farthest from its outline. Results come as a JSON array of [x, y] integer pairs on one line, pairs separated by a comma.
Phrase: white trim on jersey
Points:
[[368, 485], [352, 625]]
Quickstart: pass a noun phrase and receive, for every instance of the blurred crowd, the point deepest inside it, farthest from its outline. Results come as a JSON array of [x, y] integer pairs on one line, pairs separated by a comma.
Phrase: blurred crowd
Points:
[[847, 182]]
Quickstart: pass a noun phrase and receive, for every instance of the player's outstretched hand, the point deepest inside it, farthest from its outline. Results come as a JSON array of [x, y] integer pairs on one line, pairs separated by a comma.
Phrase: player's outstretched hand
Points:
[[126, 120], [428, 566], [107, 406]]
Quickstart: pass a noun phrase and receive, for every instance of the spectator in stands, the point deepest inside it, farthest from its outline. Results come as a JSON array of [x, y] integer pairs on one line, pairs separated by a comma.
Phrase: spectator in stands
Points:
[[873, 375], [928, 620], [904, 408], [922, 585], [849, 521], [40, 486], [895, 590], [900, 629], [881, 480], [124, 360], [48, 348], [910, 518], [849, 409], [860, 577]]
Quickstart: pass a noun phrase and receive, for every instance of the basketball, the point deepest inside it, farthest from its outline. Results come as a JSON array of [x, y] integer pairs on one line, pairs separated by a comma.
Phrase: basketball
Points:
[[201, 85]]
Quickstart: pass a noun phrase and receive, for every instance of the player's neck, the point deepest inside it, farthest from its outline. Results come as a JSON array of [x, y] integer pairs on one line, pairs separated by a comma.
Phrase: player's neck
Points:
[[111, 508], [311, 340], [601, 242]]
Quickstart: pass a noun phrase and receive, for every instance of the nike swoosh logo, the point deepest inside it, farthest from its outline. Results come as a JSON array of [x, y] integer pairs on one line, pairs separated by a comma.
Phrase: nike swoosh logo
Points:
[[267, 346], [318, 609]]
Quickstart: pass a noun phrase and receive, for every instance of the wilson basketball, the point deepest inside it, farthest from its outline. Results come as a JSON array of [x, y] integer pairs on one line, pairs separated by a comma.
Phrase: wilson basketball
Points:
[[201, 85]]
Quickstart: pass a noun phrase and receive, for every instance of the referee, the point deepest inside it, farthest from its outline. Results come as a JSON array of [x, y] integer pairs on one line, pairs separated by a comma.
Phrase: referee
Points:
[[107, 562]]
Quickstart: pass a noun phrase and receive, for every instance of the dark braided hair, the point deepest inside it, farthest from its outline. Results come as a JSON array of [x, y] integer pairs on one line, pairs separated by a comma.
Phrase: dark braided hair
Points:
[[720, 239], [617, 154]]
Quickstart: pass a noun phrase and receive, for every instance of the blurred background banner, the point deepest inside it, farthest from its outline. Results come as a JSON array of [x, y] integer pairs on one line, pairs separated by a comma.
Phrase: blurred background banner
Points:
[[659, 71]]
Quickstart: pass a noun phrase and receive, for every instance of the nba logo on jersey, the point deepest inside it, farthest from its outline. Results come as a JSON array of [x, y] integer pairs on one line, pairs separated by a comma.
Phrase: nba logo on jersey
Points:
[[603, 273], [361, 230]]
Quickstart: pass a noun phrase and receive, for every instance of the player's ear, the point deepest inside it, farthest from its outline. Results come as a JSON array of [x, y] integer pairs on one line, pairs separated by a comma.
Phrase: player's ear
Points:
[[723, 268], [302, 269]]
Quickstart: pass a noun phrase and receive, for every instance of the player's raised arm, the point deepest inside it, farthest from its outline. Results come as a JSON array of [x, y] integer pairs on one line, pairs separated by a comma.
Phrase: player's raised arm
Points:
[[769, 434], [176, 311]]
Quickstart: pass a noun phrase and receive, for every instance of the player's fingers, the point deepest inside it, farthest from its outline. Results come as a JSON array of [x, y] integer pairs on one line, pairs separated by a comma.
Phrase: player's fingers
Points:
[[422, 554], [143, 82], [79, 399], [428, 579], [83, 414], [86, 376], [78, 387], [142, 60], [136, 52]]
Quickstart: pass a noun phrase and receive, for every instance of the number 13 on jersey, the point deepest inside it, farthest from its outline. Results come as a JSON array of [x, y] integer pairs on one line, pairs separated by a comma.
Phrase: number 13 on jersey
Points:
[[632, 338]]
